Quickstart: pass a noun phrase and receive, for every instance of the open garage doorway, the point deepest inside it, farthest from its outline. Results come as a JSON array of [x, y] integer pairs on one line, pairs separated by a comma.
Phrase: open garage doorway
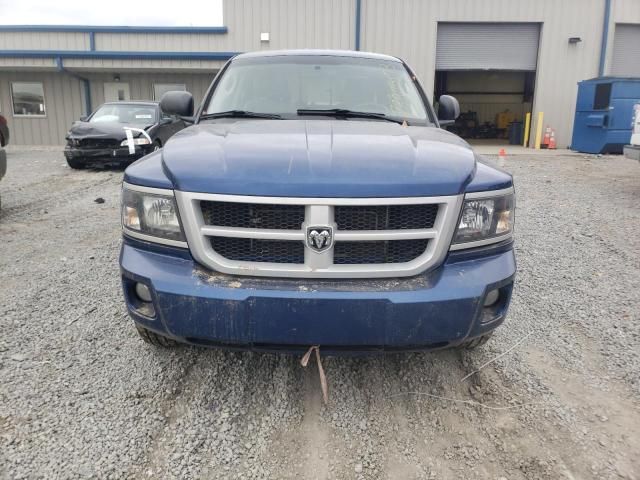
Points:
[[491, 69]]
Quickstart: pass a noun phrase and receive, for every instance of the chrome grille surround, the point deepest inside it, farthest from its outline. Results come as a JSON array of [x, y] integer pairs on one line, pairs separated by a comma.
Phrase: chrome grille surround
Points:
[[318, 211]]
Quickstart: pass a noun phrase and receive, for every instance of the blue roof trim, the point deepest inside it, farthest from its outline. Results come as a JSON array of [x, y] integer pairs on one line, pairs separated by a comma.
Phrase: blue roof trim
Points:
[[111, 29], [124, 55]]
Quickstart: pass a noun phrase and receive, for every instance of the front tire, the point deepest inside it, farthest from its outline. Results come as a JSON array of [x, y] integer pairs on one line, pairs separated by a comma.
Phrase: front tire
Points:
[[154, 339]]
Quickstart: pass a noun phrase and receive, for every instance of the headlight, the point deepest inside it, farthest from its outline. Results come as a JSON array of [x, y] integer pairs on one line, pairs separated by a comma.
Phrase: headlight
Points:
[[136, 141], [151, 214], [485, 219]]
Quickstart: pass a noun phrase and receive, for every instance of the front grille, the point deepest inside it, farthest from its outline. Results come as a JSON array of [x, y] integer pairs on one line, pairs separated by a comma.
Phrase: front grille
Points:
[[97, 143], [386, 217], [258, 250], [377, 252], [253, 215], [267, 236]]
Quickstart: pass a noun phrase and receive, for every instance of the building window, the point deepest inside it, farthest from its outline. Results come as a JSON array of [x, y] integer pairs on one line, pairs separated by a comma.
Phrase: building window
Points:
[[28, 99], [160, 89]]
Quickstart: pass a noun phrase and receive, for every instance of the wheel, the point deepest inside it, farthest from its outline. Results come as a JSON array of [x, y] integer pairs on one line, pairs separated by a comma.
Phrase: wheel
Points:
[[75, 164], [154, 339], [475, 342], [157, 145]]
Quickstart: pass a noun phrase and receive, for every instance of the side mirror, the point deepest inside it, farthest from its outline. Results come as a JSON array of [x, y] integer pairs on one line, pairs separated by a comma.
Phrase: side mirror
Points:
[[177, 103], [448, 110], [84, 118]]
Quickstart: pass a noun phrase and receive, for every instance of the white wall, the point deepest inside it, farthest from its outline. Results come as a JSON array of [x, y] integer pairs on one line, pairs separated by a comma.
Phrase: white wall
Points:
[[44, 41]]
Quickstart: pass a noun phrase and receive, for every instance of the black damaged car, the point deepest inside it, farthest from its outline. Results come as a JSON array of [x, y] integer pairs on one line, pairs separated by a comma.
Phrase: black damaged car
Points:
[[118, 133]]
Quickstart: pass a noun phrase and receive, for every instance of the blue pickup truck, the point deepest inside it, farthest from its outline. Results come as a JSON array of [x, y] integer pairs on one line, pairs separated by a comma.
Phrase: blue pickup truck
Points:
[[316, 201]]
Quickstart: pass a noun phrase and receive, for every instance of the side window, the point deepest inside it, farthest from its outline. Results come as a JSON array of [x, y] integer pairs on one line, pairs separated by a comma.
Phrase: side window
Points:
[[28, 99], [160, 89]]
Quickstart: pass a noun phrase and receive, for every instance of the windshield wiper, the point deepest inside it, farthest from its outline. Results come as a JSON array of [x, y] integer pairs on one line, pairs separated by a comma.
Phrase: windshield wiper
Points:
[[344, 113], [238, 114]]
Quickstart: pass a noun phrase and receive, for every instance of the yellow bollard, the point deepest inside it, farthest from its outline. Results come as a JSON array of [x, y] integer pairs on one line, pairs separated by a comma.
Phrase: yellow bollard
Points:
[[539, 130], [527, 124]]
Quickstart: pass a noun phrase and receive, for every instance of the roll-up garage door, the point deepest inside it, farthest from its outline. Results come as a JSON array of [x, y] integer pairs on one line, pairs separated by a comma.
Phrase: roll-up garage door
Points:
[[487, 46], [626, 51]]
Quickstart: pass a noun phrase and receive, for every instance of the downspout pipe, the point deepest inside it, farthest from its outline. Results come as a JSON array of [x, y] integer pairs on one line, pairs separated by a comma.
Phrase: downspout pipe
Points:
[[605, 37], [85, 82], [358, 19]]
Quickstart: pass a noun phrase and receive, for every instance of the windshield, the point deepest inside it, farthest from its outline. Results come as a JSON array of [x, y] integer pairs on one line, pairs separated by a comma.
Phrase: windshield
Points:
[[285, 84], [122, 113]]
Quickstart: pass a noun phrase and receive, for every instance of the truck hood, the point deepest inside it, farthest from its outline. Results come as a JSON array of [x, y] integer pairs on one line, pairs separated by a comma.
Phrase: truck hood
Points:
[[318, 158]]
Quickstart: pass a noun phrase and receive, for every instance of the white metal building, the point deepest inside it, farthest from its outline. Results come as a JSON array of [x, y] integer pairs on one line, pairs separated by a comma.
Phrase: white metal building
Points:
[[495, 55]]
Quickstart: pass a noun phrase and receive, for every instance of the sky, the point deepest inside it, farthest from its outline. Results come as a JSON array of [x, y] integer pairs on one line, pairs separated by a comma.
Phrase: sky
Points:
[[162, 13]]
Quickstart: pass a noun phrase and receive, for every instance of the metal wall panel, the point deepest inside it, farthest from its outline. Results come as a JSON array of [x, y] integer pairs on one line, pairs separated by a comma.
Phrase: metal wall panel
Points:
[[160, 65], [63, 102], [44, 41], [626, 51], [290, 23], [165, 42], [487, 46], [13, 64]]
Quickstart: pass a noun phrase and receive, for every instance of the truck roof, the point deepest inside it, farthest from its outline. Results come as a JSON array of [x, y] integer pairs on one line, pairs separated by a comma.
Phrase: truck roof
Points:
[[325, 53]]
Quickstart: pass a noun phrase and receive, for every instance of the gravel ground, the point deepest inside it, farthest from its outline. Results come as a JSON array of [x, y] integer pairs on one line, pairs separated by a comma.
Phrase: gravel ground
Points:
[[82, 396]]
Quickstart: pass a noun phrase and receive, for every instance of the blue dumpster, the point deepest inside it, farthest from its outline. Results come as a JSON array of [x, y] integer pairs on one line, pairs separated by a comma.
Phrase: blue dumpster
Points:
[[604, 111]]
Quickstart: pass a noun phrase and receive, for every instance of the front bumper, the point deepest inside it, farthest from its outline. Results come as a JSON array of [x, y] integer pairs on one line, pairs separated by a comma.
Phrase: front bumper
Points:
[[434, 310], [106, 156]]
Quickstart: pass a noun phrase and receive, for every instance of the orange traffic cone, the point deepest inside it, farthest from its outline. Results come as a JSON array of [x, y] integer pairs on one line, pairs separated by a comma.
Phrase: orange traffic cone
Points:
[[502, 154], [547, 136], [552, 140]]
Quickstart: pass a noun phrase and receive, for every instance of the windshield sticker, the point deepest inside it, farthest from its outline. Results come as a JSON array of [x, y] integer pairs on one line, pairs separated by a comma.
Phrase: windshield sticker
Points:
[[143, 116]]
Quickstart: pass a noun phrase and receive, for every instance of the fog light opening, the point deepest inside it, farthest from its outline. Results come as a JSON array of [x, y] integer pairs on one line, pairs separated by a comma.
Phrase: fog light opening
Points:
[[492, 297], [143, 292]]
